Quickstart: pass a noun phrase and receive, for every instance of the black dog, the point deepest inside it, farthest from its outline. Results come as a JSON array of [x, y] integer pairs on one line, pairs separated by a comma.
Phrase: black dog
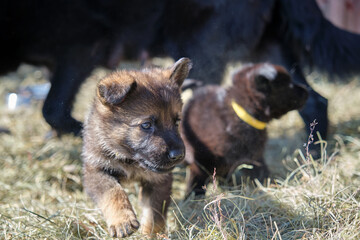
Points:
[[285, 32], [72, 38]]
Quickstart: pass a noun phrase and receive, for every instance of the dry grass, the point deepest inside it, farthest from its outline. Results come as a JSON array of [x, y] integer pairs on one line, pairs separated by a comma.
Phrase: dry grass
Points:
[[41, 195]]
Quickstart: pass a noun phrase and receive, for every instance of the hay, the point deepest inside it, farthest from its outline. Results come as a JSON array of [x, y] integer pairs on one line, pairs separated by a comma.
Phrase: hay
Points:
[[41, 195]]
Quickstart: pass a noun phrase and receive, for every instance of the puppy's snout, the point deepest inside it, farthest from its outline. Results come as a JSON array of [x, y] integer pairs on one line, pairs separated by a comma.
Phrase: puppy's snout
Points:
[[176, 154]]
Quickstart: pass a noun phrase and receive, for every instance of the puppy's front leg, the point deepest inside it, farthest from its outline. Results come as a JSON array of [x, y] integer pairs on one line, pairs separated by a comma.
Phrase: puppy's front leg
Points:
[[155, 200], [113, 201], [196, 180]]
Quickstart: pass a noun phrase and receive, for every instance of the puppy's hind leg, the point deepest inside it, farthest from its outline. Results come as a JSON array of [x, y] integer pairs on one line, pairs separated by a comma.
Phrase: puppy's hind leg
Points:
[[155, 200]]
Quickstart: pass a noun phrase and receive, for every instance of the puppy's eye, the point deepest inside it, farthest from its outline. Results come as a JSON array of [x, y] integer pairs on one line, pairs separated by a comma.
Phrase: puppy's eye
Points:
[[146, 125]]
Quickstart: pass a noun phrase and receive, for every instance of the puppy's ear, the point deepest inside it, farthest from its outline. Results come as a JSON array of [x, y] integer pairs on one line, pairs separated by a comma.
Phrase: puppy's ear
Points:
[[180, 70], [264, 74], [112, 92]]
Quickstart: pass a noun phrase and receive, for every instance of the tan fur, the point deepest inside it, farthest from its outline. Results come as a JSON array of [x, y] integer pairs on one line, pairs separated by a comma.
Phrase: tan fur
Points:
[[120, 147], [118, 212]]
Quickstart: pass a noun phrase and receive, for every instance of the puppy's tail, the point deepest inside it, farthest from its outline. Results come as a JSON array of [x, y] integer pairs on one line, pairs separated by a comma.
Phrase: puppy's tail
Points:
[[328, 48], [192, 84]]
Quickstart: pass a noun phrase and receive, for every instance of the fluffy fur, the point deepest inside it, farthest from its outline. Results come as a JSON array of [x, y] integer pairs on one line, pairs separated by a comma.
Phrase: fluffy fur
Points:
[[215, 136], [131, 134]]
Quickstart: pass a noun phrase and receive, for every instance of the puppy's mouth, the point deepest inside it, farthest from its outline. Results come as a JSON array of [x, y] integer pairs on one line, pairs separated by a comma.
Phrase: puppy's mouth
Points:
[[155, 168]]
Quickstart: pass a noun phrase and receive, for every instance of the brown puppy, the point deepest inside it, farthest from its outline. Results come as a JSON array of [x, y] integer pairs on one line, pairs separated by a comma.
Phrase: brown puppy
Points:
[[225, 127], [131, 134]]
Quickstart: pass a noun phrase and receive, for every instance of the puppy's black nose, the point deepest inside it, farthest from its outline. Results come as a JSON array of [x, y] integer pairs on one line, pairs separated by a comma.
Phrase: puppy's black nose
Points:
[[176, 154]]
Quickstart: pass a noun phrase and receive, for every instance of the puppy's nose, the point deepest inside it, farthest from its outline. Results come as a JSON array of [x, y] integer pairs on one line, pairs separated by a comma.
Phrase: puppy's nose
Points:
[[176, 154]]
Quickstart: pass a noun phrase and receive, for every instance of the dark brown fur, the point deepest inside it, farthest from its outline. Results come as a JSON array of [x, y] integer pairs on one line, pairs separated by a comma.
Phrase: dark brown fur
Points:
[[131, 134], [215, 137]]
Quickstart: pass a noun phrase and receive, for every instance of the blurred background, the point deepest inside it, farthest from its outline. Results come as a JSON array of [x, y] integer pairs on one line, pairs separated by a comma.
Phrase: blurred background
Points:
[[342, 13], [41, 194]]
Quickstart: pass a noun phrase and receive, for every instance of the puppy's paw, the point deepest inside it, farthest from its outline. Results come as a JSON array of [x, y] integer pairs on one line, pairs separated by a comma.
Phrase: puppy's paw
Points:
[[123, 224], [152, 229]]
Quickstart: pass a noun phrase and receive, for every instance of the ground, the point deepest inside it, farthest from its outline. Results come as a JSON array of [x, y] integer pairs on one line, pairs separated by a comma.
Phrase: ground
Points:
[[41, 194]]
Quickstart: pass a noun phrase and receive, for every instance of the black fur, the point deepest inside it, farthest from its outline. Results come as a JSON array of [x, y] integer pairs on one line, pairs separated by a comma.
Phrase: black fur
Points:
[[71, 38]]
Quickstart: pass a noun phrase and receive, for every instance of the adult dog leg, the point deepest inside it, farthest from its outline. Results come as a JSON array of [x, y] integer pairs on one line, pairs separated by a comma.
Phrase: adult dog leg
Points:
[[65, 83], [315, 107]]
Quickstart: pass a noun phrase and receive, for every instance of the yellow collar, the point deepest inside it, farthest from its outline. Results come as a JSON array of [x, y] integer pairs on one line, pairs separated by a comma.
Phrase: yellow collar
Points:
[[246, 117]]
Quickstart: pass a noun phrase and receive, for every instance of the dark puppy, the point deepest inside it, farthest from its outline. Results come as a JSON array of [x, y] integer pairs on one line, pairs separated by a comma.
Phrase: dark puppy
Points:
[[225, 127], [131, 134]]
